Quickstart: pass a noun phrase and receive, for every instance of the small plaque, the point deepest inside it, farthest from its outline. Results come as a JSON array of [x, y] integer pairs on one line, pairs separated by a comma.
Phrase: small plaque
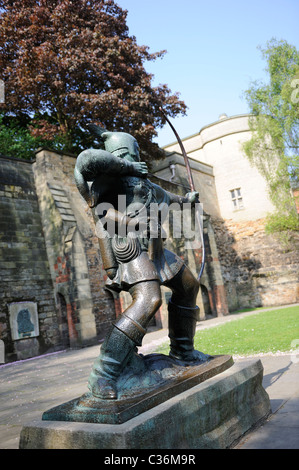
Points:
[[23, 319]]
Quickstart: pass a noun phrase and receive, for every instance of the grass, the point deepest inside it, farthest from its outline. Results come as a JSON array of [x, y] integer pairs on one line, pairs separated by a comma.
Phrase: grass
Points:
[[264, 332]]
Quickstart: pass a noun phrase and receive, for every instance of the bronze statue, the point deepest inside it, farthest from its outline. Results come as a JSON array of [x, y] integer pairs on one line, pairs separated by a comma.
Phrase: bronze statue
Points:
[[138, 263]]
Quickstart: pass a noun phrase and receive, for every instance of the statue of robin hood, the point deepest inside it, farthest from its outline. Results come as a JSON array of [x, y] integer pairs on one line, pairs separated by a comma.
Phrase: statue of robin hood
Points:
[[135, 262]]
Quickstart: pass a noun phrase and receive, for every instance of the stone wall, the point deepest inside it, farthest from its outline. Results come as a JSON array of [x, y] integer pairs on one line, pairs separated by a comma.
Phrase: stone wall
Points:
[[257, 269], [203, 176], [24, 269], [50, 260], [72, 249], [53, 292], [220, 145]]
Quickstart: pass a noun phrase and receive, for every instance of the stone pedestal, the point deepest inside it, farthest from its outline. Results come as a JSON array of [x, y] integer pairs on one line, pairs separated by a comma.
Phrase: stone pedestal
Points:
[[210, 415]]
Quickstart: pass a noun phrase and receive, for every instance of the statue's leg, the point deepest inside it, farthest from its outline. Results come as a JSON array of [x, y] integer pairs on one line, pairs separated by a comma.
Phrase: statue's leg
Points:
[[146, 298], [115, 352], [182, 316], [126, 334]]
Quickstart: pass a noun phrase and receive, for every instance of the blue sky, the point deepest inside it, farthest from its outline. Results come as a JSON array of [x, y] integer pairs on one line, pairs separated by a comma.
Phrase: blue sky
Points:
[[212, 53]]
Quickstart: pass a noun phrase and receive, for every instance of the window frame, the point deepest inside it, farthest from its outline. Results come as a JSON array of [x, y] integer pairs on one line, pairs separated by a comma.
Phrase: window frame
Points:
[[237, 199]]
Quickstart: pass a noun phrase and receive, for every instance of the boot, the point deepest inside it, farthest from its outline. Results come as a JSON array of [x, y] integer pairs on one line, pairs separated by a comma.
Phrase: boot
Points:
[[182, 326], [120, 345], [116, 350]]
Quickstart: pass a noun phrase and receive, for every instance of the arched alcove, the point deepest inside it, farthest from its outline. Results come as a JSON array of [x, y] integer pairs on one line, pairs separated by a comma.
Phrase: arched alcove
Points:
[[205, 300], [62, 320]]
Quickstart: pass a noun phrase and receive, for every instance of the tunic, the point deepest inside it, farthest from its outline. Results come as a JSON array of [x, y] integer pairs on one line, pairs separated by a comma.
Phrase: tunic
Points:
[[139, 256]]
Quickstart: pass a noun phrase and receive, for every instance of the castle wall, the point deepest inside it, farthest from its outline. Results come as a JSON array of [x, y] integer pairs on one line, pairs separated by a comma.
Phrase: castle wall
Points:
[[53, 292], [220, 145], [257, 269], [25, 278], [203, 176], [72, 248], [51, 268]]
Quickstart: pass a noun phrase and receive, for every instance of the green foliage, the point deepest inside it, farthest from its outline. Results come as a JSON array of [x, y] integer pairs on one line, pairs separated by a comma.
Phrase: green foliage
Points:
[[17, 139], [282, 223], [264, 332], [274, 146]]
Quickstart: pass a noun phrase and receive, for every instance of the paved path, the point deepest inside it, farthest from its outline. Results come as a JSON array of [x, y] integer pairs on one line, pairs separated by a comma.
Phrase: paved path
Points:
[[28, 388], [281, 430]]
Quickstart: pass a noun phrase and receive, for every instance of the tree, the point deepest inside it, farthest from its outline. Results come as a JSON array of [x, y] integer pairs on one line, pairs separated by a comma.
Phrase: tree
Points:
[[16, 140], [274, 146], [68, 63]]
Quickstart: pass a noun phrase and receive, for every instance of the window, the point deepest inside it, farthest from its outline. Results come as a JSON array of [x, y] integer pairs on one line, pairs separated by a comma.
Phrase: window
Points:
[[237, 199]]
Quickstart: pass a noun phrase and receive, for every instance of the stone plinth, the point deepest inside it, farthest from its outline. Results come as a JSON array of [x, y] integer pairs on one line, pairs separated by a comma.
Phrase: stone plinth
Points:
[[210, 415], [146, 382]]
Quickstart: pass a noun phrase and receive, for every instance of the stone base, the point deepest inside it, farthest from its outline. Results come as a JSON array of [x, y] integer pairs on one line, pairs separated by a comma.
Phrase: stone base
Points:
[[158, 379], [210, 415]]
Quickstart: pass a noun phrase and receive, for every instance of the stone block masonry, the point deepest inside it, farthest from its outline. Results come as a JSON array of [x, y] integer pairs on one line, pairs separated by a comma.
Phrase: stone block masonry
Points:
[[50, 257], [73, 250], [24, 270], [258, 269]]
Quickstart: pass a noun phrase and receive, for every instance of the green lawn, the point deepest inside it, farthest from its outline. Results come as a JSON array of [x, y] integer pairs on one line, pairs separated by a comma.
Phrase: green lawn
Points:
[[263, 332]]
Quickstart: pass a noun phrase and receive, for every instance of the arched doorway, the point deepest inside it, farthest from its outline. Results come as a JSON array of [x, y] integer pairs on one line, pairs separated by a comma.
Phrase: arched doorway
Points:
[[206, 300], [62, 320]]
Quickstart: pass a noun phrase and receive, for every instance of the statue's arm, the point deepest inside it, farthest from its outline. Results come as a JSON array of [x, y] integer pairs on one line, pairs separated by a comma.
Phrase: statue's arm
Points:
[[92, 163], [83, 187], [168, 198]]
